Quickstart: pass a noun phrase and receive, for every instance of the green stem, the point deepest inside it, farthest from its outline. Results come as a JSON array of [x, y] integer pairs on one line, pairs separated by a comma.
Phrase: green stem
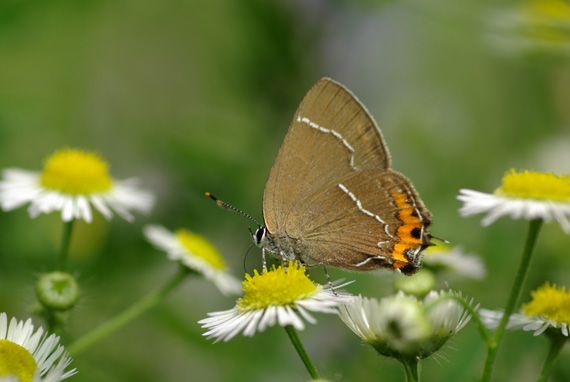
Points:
[[493, 345], [411, 367], [129, 314], [65, 240], [54, 325], [294, 337], [557, 341]]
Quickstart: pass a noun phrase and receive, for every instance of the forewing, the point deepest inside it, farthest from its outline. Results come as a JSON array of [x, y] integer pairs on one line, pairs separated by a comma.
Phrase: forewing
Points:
[[332, 136]]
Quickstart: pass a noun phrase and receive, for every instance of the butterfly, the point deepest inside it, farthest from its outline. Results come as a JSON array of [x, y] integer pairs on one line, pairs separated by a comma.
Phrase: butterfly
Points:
[[332, 199]]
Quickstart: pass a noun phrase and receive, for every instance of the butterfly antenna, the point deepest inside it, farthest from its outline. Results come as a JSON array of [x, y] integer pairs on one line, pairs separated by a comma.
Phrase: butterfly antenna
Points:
[[439, 239], [225, 206]]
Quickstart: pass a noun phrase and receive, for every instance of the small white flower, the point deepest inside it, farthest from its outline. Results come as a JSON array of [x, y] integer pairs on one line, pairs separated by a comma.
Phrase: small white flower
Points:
[[196, 253], [401, 326], [454, 261], [73, 181], [31, 356], [278, 296], [526, 195], [549, 308]]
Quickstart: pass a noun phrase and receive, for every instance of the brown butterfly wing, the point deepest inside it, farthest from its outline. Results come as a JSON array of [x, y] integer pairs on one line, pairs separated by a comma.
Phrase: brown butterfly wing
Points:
[[309, 155], [332, 143]]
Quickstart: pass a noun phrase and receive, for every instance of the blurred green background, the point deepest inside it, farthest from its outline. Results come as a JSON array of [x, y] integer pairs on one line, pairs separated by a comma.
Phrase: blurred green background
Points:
[[193, 96]]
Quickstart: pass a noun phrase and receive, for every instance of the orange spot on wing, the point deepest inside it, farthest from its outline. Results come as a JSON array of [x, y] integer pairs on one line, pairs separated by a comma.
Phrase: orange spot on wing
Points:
[[399, 264], [398, 253], [410, 221]]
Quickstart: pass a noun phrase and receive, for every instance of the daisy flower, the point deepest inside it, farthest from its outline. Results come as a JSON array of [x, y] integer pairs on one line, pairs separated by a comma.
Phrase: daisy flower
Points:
[[72, 182], [281, 295], [453, 261], [532, 26], [400, 326], [549, 308], [28, 356], [525, 195], [194, 252]]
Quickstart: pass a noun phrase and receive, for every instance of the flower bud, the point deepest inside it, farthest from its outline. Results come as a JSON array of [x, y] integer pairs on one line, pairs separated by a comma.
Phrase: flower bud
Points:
[[57, 290]]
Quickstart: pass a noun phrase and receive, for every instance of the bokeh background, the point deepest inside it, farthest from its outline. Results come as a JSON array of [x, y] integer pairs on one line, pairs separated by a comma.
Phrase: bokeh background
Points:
[[194, 96]]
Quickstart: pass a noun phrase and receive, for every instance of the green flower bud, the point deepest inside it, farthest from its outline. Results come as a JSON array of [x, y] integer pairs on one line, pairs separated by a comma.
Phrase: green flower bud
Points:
[[417, 285], [57, 291]]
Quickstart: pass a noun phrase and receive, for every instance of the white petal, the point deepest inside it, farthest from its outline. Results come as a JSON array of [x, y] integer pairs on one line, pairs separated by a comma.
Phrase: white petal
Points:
[[251, 327], [67, 212], [83, 210], [98, 203], [269, 318]]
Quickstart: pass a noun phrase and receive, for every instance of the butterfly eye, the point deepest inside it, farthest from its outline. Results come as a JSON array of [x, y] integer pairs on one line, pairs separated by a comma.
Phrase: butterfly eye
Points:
[[259, 235]]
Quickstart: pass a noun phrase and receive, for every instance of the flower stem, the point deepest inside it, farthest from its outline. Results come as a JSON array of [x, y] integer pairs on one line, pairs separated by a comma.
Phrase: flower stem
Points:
[[65, 240], [294, 337], [493, 345], [557, 341], [411, 366], [129, 314]]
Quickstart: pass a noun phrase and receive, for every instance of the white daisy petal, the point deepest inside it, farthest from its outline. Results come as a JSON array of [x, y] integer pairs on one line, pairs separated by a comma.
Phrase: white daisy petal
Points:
[[100, 206], [307, 316], [269, 318], [236, 326], [83, 210], [68, 209], [253, 323], [534, 324], [286, 316], [50, 357], [541, 329]]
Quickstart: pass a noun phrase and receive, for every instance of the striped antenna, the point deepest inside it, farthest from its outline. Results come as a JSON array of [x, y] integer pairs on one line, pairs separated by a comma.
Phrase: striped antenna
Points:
[[225, 206]]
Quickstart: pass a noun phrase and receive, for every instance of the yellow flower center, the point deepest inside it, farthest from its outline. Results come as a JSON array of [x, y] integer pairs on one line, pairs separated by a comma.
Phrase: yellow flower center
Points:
[[202, 248], [547, 9], [535, 185], [73, 171], [547, 20], [550, 302], [276, 287], [17, 361]]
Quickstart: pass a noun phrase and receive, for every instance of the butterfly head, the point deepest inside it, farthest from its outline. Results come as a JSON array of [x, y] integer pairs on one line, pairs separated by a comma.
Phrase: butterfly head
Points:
[[259, 237]]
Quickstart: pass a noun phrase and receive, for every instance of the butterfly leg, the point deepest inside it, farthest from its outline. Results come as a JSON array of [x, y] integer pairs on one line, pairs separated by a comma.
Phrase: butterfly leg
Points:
[[283, 260], [263, 260], [326, 274], [329, 280]]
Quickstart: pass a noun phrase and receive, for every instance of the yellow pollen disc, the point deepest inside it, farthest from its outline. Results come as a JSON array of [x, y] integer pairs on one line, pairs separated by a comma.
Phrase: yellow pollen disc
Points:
[[547, 20], [535, 185], [548, 9], [276, 287], [73, 171], [17, 361], [200, 247], [550, 302]]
